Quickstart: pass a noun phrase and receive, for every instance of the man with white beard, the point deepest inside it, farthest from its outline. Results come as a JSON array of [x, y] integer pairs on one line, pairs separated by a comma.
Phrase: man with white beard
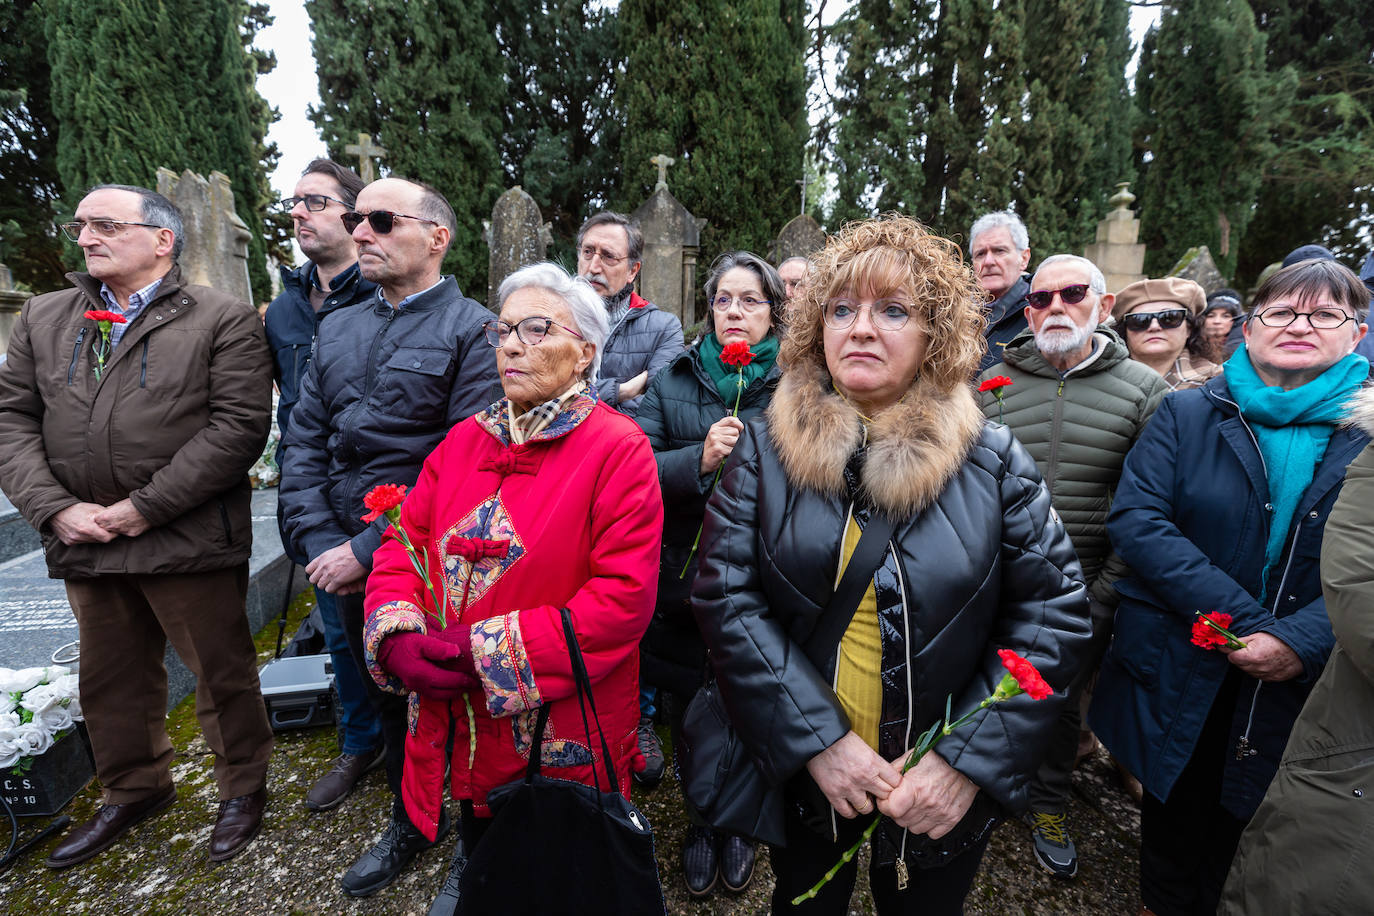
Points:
[[1077, 401]]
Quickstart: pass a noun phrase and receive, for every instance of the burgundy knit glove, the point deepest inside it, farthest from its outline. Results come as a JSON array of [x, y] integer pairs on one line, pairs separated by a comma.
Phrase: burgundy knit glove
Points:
[[427, 665]]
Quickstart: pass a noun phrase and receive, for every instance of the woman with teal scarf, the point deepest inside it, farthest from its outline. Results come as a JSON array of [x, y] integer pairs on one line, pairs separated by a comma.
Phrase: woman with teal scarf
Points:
[[693, 413], [1222, 507]]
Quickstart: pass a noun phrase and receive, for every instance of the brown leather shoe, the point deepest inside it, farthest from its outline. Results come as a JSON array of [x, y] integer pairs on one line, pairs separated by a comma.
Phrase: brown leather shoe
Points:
[[333, 787], [236, 825], [109, 824]]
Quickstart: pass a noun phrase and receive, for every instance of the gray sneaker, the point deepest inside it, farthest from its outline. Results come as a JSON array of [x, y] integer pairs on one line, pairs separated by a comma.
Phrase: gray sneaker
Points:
[[1053, 849]]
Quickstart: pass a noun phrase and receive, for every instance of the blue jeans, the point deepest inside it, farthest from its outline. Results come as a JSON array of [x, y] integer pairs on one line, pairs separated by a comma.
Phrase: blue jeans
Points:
[[362, 732]]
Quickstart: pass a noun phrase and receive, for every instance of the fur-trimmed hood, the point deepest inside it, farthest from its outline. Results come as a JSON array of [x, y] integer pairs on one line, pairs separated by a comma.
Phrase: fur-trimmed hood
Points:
[[914, 447], [1360, 410]]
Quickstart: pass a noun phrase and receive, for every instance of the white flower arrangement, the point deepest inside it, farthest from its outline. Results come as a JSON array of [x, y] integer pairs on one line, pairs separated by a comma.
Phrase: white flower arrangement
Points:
[[38, 706]]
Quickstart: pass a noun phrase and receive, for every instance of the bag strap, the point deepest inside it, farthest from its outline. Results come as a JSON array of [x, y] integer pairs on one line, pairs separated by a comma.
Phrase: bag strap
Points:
[[858, 575], [584, 700]]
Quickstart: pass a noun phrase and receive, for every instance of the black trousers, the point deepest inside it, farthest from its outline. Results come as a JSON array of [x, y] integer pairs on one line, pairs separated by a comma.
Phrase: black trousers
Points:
[[809, 855], [390, 708]]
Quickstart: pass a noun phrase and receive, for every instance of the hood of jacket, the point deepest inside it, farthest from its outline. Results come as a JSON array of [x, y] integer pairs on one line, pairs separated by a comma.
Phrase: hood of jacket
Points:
[[1361, 412], [1109, 349]]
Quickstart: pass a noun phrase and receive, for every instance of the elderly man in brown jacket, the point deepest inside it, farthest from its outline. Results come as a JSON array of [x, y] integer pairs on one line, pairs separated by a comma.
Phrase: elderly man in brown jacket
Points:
[[127, 445]]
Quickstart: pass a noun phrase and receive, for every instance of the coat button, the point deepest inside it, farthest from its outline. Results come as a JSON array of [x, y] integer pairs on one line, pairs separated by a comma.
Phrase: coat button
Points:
[[1358, 793], [415, 364], [1312, 514], [1292, 597], [185, 301], [1268, 507], [173, 311], [158, 317]]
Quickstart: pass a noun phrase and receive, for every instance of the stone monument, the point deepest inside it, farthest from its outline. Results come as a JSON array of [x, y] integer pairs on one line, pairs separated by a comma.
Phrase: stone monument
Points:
[[800, 238], [1117, 251], [672, 239], [216, 248], [517, 237], [11, 303], [1197, 265], [366, 151]]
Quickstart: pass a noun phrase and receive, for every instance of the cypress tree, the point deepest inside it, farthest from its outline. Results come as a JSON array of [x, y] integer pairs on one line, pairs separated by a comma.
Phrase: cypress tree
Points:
[[133, 88], [424, 78], [1213, 109], [721, 87]]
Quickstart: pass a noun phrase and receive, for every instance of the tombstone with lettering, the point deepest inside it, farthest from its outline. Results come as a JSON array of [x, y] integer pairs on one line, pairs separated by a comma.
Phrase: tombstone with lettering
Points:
[[517, 237], [800, 238], [672, 239], [216, 246]]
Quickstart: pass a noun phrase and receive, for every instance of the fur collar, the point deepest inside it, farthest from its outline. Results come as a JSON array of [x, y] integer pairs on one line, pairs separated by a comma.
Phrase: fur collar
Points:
[[1360, 410], [914, 447]]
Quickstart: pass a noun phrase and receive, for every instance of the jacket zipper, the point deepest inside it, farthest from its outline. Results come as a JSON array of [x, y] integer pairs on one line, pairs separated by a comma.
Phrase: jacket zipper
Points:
[[367, 393], [1056, 421], [835, 678], [143, 373], [224, 517], [902, 877], [76, 355]]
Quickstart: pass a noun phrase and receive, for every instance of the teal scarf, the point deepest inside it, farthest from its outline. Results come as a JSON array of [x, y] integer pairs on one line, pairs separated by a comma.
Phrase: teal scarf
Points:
[[727, 378], [1293, 429]]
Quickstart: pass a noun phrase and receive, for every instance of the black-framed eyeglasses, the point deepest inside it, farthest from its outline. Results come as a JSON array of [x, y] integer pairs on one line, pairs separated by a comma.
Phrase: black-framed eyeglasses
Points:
[[1321, 319], [748, 304], [381, 221], [840, 314], [531, 330], [313, 202], [1168, 319], [587, 252], [100, 228], [1071, 295]]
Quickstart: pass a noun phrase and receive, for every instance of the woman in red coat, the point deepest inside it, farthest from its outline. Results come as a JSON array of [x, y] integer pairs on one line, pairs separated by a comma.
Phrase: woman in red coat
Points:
[[547, 499]]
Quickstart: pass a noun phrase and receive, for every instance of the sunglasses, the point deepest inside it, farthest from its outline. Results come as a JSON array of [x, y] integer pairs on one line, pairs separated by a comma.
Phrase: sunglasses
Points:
[[1168, 319], [381, 221], [1072, 295]]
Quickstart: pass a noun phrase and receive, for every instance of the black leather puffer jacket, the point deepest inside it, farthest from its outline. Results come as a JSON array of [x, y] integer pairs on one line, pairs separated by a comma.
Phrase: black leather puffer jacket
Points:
[[978, 561]]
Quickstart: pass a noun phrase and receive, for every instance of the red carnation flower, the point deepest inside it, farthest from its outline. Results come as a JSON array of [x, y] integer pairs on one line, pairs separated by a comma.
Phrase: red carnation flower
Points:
[[1026, 675], [1211, 631], [737, 354], [995, 383], [382, 498], [103, 315]]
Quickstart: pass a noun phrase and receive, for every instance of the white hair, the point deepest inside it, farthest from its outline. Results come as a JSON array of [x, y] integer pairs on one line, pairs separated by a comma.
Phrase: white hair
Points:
[[588, 309], [1096, 282], [1000, 219]]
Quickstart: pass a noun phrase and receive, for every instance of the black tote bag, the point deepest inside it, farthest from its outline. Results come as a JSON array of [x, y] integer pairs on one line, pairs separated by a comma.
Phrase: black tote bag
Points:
[[558, 846]]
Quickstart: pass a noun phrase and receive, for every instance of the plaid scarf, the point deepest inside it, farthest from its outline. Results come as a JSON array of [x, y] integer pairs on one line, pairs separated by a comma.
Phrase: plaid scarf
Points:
[[533, 421]]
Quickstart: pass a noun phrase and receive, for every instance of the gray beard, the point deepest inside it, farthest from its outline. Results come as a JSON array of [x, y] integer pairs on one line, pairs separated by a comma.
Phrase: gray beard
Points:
[[1059, 341]]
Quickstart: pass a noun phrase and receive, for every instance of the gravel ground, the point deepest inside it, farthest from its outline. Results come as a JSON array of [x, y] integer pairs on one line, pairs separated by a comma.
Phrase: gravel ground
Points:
[[295, 863]]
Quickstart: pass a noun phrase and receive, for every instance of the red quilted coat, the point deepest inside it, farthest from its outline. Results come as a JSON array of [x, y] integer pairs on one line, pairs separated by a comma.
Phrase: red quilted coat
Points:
[[572, 518]]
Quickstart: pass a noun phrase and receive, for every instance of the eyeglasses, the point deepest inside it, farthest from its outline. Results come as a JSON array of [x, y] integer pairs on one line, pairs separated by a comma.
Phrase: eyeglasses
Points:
[[530, 330], [1168, 319], [1321, 319], [100, 228], [1071, 295], [840, 314], [587, 252], [747, 304], [381, 221], [313, 202]]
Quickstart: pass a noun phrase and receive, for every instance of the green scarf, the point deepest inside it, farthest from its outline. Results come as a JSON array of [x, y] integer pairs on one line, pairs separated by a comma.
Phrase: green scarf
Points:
[[727, 378]]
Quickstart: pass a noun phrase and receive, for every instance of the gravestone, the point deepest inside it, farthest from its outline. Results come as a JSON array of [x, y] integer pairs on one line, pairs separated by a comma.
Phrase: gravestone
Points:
[[11, 303], [1197, 265], [800, 238], [672, 239], [1117, 251], [366, 151], [216, 246], [517, 237]]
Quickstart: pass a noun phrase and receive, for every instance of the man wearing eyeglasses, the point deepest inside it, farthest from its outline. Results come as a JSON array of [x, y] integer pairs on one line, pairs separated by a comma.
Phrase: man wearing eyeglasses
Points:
[[1000, 248], [328, 281], [387, 380], [1077, 402], [643, 338], [125, 439]]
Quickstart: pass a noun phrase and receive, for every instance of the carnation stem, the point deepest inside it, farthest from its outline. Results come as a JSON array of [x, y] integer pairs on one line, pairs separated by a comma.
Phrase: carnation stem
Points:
[[739, 390]]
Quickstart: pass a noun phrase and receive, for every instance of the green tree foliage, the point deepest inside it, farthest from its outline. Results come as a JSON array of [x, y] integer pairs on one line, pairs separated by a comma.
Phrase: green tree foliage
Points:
[[136, 86], [1321, 177], [424, 78], [721, 87], [30, 189], [560, 127], [1209, 128]]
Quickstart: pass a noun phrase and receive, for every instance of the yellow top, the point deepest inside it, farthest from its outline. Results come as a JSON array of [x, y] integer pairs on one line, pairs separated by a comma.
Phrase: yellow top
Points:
[[859, 671]]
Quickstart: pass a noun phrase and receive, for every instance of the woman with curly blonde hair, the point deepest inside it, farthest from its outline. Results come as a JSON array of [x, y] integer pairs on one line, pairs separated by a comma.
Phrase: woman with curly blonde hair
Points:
[[873, 454]]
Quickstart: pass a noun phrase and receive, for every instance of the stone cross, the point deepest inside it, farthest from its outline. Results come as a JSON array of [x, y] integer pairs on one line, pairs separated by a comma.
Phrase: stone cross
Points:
[[366, 151], [517, 236], [662, 162], [215, 251]]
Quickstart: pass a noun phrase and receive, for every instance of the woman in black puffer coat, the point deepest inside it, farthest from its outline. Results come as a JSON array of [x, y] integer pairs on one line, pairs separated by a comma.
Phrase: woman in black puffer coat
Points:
[[693, 414], [875, 415]]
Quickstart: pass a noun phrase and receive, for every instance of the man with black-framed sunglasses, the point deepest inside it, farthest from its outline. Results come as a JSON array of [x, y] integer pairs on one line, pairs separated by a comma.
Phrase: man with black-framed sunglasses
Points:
[[387, 380], [1077, 402]]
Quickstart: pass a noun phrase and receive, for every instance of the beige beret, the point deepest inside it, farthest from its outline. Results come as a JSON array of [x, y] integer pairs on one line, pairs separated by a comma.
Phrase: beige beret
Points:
[[1170, 289]]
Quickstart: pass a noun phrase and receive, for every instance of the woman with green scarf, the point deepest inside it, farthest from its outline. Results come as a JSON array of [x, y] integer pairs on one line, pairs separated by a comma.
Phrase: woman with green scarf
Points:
[[693, 414], [1221, 509]]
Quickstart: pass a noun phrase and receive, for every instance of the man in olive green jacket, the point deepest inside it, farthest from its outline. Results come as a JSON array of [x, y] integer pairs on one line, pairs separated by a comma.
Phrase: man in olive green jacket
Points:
[[1308, 848], [1077, 402]]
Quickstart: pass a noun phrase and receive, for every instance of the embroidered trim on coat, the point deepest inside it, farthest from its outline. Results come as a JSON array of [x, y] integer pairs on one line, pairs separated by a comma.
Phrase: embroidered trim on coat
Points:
[[498, 650], [392, 617]]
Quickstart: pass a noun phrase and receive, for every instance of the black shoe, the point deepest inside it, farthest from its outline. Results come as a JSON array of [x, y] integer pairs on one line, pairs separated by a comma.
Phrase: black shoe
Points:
[[446, 904], [736, 862], [700, 865], [649, 746], [381, 864]]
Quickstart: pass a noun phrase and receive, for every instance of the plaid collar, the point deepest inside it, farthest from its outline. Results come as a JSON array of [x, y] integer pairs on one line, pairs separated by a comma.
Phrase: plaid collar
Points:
[[550, 420]]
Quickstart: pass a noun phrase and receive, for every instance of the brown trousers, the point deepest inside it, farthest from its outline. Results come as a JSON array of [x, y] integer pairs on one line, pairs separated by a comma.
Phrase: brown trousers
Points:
[[125, 623]]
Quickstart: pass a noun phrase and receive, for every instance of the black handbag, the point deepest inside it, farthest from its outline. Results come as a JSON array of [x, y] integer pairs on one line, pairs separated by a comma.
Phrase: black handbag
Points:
[[557, 846], [720, 779]]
